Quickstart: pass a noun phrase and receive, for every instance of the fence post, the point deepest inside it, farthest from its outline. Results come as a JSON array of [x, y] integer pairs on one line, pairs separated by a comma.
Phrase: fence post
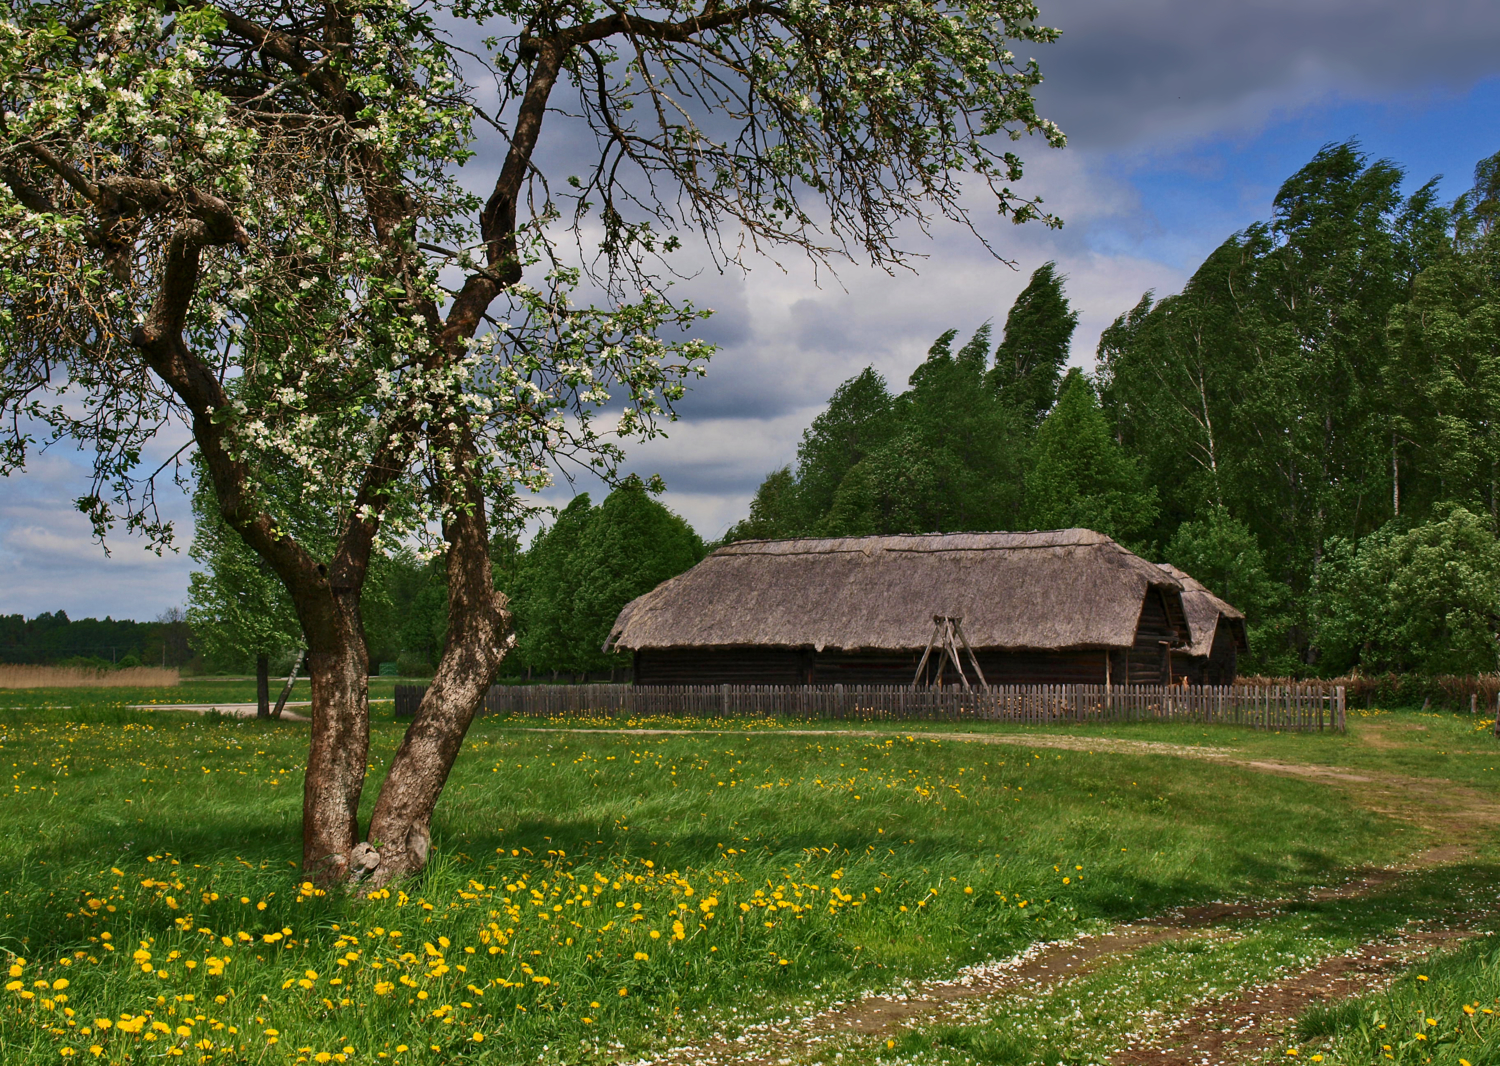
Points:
[[1339, 695]]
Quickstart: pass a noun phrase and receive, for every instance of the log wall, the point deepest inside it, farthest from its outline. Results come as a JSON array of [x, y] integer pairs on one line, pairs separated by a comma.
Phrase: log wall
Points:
[[792, 666]]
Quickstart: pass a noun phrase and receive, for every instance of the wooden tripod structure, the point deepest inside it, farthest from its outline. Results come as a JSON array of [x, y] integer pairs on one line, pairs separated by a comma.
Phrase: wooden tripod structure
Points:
[[947, 637]]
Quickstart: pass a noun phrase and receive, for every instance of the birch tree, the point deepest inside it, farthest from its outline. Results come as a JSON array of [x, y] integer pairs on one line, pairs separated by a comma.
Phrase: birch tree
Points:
[[264, 222]]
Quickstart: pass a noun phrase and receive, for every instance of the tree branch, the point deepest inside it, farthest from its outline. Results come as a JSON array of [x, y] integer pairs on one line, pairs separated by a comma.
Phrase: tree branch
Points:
[[286, 49], [159, 338], [29, 195], [497, 222]]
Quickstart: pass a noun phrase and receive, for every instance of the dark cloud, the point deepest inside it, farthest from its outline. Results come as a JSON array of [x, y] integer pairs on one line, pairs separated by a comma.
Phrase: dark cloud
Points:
[[1132, 68]]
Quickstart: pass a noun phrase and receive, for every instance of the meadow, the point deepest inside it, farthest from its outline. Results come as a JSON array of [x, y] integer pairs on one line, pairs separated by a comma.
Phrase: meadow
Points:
[[598, 896]]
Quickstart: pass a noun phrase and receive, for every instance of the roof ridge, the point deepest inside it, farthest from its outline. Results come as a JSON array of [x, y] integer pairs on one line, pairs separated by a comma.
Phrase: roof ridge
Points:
[[1086, 537]]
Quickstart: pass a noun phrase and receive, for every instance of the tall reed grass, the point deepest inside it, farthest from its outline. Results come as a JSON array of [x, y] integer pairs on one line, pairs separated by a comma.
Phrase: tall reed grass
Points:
[[20, 675]]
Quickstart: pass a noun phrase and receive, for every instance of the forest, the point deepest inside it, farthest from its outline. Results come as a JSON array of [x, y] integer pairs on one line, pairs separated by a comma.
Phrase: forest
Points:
[[1308, 428]]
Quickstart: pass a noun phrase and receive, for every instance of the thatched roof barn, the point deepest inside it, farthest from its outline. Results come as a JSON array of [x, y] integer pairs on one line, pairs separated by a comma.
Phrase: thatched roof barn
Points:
[[1218, 631], [1065, 605]]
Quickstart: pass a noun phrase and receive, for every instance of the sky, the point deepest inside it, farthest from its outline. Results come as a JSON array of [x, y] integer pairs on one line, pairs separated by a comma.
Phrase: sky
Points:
[[1183, 118]]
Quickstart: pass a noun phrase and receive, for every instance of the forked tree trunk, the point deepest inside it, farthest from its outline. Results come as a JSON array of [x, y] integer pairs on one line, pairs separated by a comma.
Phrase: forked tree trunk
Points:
[[478, 634]]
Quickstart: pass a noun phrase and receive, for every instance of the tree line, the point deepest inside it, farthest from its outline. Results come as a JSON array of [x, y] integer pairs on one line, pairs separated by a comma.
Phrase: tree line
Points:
[[981, 439], [54, 638], [1309, 427]]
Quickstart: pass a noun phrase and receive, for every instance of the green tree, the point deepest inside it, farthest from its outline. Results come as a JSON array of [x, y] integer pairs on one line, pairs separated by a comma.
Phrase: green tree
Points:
[[579, 572], [974, 442], [1424, 599], [857, 421], [1442, 377], [1170, 375], [546, 586], [54, 637], [1080, 476], [1034, 349], [1267, 386], [1346, 250], [1479, 208], [247, 219], [895, 490], [947, 454], [405, 611], [776, 511], [632, 545], [237, 608], [1220, 551]]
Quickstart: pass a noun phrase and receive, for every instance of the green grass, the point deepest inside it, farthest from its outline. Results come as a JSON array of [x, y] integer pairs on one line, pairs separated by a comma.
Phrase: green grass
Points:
[[1135, 1000], [801, 870], [1441, 744], [1417, 743], [1444, 1011]]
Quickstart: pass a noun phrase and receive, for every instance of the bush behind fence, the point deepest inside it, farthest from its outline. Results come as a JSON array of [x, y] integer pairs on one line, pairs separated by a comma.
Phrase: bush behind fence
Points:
[[1474, 692], [1294, 707]]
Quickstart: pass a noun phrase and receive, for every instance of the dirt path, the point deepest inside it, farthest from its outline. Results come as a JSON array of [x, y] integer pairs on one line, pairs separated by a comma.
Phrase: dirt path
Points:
[[233, 710], [1234, 1029], [1216, 1033], [1234, 1026]]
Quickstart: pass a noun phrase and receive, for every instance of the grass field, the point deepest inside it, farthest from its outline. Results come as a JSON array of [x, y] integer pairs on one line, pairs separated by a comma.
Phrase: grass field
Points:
[[596, 896]]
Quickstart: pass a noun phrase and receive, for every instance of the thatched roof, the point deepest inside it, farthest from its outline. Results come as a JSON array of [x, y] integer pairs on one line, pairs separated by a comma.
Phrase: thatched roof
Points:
[[1067, 588], [1205, 613]]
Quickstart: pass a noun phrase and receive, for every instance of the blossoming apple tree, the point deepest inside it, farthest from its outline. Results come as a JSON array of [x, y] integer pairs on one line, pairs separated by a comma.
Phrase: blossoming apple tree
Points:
[[271, 228]]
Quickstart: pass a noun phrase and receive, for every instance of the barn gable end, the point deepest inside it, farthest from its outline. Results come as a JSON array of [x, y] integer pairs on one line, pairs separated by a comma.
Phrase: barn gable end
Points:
[[1218, 634]]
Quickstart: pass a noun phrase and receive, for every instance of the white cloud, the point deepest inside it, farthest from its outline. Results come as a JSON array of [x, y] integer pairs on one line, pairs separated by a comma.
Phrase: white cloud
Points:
[[49, 560], [795, 340]]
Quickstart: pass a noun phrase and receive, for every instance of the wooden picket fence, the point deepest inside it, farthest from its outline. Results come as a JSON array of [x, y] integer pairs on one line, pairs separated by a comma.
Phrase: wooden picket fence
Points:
[[1289, 708]]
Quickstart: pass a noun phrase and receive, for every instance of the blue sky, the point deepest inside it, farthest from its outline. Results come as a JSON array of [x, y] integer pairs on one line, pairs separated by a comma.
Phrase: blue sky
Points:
[[1217, 184], [1183, 118]]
